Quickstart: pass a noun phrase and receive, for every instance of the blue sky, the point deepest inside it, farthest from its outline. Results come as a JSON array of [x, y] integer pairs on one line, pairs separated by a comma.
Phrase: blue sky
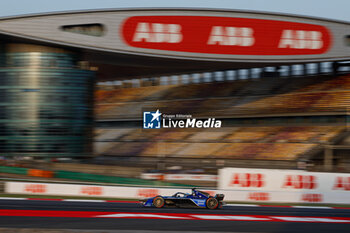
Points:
[[332, 9]]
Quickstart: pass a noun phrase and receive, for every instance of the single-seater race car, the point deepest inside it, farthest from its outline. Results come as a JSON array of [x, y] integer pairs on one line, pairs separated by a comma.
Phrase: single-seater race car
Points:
[[195, 199]]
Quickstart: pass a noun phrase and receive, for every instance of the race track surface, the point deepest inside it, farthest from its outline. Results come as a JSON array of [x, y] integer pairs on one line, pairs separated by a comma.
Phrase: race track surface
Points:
[[131, 216]]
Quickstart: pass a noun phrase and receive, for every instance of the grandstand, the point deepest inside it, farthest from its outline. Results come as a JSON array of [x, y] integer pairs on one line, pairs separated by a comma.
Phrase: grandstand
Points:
[[280, 120], [281, 92], [250, 97]]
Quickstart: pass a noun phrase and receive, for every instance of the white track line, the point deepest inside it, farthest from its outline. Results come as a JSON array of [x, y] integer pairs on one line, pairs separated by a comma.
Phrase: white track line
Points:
[[13, 198], [81, 200], [312, 207], [246, 205]]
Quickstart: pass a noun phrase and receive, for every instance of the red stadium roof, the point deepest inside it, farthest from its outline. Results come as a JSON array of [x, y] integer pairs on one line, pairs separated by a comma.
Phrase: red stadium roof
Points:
[[151, 42]]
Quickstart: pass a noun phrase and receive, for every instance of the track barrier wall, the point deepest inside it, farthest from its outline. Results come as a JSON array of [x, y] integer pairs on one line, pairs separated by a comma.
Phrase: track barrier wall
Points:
[[338, 197], [87, 190], [238, 184], [285, 185]]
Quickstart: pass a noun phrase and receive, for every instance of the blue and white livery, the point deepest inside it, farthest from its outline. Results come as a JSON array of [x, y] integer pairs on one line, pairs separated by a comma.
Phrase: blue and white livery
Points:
[[195, 199]]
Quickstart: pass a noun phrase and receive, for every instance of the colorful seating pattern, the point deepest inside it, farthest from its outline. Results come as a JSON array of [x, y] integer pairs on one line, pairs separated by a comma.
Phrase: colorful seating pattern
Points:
[[267, 143], [271, 96]]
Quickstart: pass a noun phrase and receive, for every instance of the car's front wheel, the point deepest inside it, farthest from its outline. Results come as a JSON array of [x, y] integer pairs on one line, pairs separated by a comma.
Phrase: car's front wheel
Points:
[[158, 202], [212, 203]]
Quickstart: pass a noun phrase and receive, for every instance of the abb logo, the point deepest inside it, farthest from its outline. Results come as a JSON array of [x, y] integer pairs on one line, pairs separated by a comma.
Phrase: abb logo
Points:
[[299, 39], [147, 192], [312, 197], [300, 182], [232, 36], [254, 180], [92, 190], [342, 183], [35, 188], [258, 196], [225, 35], [157, 33]]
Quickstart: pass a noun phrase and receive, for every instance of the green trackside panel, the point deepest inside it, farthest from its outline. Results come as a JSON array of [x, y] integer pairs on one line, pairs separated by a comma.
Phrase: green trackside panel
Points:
[[110, 179], [46, 105], [14, 170]]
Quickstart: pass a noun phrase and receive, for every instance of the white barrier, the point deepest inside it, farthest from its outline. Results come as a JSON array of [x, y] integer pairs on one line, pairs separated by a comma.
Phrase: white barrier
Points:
[[285, 185], [142, 192], [238, 184], [87, 190]]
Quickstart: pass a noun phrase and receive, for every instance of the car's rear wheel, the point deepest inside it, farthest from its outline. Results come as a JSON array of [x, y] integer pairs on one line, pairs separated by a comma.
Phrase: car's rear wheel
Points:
[[158, 202], [212, 203]]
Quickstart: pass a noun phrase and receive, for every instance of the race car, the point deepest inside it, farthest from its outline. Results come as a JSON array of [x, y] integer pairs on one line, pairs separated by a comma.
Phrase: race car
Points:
[[195, 199]]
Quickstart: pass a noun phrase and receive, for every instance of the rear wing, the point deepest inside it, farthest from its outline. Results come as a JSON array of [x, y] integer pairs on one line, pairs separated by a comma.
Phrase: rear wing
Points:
[[219, 197]]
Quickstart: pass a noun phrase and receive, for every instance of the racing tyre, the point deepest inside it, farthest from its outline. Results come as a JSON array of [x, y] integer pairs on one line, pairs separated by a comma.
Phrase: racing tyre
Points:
[[212, 203], [158, 202]]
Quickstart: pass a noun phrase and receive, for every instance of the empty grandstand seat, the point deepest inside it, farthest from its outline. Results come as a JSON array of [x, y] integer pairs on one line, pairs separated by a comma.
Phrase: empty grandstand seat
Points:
[[199, 150], [208, 135], [242, 98], [159, 149], [129, 149]]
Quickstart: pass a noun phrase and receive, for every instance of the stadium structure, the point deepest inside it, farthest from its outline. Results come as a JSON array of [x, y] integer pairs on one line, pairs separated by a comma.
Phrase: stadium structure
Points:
[[279, 83]]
